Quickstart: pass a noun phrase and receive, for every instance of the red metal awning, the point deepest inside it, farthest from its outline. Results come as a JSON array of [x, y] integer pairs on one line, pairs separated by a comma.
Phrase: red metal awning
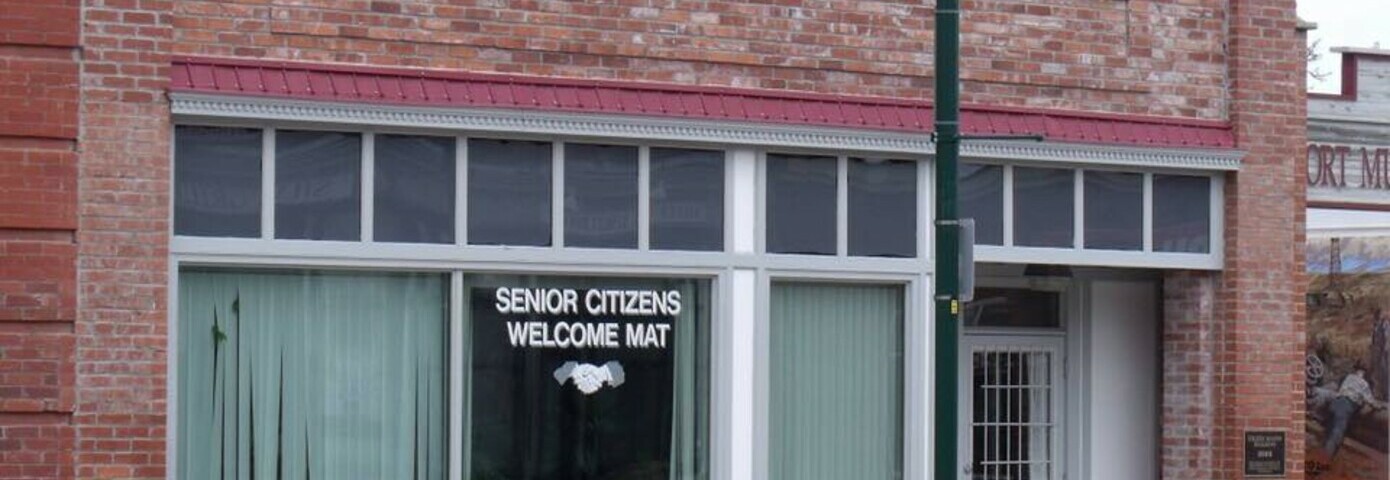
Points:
[[344, 83]]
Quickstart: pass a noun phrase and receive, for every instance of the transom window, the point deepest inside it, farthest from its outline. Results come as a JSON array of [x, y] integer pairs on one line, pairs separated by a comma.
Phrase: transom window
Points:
[[825, 205], [388, 188], [1109, 213]]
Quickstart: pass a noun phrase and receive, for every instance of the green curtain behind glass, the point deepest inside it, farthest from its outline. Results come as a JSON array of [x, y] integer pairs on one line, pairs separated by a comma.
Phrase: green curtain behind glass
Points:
[[836, 382], [298, 375]]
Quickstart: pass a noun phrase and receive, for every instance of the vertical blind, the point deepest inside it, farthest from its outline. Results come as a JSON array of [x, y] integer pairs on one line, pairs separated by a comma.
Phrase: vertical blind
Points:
[[299, 375], [836, 382]]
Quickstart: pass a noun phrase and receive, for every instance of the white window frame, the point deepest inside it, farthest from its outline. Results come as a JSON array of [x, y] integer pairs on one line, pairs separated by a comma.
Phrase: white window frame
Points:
[[1078, 255], [740, 274], [738, 324]]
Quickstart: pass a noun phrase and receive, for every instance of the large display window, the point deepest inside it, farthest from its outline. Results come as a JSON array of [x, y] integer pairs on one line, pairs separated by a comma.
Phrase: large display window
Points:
[[312, 374], [339, 374], [587, 378], [836, 381]]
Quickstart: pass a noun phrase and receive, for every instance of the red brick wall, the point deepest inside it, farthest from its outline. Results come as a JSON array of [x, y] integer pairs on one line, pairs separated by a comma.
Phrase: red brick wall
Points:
[[1255, 332], [1137, 56], [84, 221], [1262, 292], [38, 217], [123, 233], [1190, 393]]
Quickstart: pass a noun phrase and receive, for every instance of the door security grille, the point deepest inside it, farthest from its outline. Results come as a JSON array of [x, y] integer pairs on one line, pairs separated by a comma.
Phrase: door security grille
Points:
[[1013, 420]]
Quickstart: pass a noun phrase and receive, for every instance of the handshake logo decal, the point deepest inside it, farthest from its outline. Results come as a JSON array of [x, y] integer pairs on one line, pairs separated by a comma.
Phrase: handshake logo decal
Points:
[[589, 378]]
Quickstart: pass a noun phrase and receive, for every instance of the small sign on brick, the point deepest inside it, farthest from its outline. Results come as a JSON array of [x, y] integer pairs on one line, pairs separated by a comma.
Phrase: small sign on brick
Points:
[[1264, 454]]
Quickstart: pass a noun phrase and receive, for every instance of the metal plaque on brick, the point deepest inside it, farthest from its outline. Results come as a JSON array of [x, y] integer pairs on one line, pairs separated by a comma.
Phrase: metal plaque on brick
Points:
[[1264, 454]]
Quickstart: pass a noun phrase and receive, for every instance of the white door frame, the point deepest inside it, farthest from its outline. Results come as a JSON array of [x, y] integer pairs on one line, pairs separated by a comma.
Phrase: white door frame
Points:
[[1053, 343]]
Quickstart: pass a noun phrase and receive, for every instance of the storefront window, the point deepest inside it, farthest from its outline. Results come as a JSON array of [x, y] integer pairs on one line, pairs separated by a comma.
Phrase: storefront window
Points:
[[583, 378], [509, 192], [882, 208], [414, 185], [600, 196], [318, 185], [217, 182], [836, 367], [801, 204], [1182, 213], [1114, 210], [981, 191], [309, 374], [687, 199], [1043, 202]]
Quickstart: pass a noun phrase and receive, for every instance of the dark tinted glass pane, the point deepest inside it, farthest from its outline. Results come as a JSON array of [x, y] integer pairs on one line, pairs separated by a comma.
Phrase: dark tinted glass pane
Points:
[[1014, 308], [1182, 214], [1043, 200], [981, 194], [318, 185], [600, 196], [414, 185], [801, 193], [553, 399], [882, 208], [1114, 210], [509, 188], [687, 199], [217, 182]]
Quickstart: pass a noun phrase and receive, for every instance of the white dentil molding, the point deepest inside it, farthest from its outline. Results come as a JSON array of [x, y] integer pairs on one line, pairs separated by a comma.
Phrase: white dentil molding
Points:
[[193, 107]]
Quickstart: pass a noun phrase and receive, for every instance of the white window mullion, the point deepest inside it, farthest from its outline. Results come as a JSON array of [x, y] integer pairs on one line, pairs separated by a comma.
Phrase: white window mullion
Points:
[[742, 202], [268, 184], [736, 380], [368, 186], [456, 375], [644, 200], [557, 195], [1148, 212], [1008, 205], [461, 190], [842, 206]]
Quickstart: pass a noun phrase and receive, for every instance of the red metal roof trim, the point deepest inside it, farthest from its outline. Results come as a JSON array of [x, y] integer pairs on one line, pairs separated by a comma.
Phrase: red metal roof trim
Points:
[[341, 83]]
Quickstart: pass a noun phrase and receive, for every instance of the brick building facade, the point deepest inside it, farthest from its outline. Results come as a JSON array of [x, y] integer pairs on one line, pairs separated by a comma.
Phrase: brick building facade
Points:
[[86, 172]]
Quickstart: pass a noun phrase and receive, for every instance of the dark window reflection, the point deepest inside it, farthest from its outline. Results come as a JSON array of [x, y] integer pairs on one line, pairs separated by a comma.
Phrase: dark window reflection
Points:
[[318, 185], [414, 185], [645, 419], [687, 199], [882, 208], [509, 192], [801, 198], [217, 182], [1043, 213], [981, 194], [1182, 214], [1014, 308], [600, 196], [1114, 210]]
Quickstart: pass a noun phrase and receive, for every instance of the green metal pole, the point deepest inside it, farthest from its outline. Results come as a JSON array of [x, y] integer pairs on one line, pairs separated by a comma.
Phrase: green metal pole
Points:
[[947, 252]]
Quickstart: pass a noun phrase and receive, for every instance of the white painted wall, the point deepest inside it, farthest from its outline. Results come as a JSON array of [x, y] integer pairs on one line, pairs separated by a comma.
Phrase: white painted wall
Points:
[[1324, 223], [1124, 368]]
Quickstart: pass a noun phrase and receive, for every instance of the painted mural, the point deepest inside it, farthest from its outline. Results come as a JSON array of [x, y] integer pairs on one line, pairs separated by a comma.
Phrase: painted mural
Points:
[[1348, 359]]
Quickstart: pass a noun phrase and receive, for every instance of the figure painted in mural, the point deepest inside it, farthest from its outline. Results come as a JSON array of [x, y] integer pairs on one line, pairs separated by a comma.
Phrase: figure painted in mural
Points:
[[1353, 396]]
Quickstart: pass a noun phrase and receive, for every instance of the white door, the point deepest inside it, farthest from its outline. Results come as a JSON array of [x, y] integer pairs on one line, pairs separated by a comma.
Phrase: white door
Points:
[[1011, 407]]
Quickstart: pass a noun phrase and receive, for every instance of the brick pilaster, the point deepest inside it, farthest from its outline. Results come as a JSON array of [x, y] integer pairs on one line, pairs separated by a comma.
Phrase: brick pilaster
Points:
[[1190, 347], [123, 239], [38, 197]]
